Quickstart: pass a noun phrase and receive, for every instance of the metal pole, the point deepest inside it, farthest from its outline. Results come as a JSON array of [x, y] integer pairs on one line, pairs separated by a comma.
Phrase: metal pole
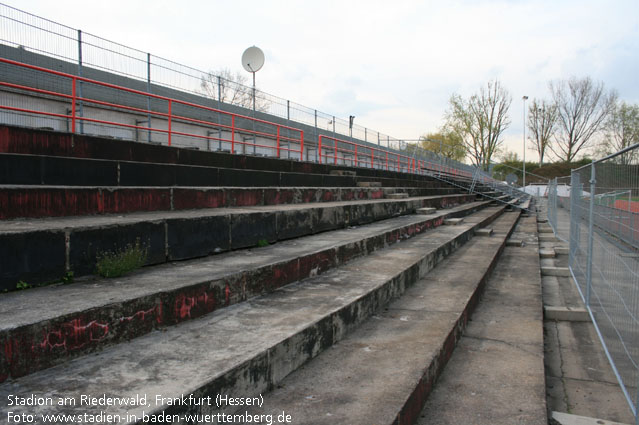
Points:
[[590, 235], [524, 122], [288, 123], [81, 111], [148, 98], [254, 136], [219, 107]]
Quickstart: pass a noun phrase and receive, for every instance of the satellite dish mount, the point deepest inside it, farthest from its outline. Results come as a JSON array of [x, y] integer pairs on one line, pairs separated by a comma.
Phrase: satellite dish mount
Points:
[[252, 61]]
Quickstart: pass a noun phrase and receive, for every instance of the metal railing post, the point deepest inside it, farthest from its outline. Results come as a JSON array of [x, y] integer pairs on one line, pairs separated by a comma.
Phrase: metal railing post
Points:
[[73, 98], [232, 134], [319, 149], [301, 145], [170, 116], [590, 234], [81, 112]]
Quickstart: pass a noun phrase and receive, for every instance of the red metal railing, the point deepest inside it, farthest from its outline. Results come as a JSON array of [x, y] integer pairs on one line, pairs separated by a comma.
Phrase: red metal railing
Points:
[[169, 116], [337, 150], [330, 149]]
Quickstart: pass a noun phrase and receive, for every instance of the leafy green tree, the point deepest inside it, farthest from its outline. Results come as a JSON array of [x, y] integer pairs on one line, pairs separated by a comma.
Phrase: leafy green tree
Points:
[[444, 143], [480, 121]]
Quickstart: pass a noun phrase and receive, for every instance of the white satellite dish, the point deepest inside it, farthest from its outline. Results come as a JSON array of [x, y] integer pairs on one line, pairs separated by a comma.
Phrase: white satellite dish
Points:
[[253, 59]]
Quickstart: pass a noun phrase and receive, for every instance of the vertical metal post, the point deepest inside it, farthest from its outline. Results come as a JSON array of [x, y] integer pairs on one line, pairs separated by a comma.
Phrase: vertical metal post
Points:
[[232, 134], [169, 126], [319, 149], [315, 132], [148, 98], [219, 107], [254, 135], [73, 99], [301, 145], [590, 234], [79, 88], [278, 141], [288, 123]]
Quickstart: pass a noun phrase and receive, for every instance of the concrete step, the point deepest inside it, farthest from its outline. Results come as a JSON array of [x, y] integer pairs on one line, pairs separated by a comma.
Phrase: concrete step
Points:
[[27, 141], [42, 324], [383, 372], [43, 250], [20, 169], [496, 374], [60, 201], [244, 349], [397, 195]]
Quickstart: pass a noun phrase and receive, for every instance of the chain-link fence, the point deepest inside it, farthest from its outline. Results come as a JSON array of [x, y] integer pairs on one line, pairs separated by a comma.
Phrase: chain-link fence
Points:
[[604, 257]]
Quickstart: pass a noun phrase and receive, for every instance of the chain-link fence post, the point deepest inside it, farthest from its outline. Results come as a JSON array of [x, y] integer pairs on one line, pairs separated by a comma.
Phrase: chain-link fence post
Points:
[[590, 234], [575, 199]]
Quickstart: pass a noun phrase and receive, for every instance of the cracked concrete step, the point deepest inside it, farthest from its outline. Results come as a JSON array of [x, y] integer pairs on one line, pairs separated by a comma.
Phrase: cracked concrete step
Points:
[[383, 372], [59, 201], [52, 324], [41, 250], [496, 374], [251, 346]]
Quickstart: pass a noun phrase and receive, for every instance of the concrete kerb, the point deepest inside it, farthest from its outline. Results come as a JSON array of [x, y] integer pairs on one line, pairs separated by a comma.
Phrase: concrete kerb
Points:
[[257, 358], [222, 281]]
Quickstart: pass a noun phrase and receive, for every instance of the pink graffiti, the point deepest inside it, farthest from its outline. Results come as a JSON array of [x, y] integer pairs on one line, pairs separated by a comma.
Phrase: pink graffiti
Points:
[[184, 305], [73, 335], [141, 315]]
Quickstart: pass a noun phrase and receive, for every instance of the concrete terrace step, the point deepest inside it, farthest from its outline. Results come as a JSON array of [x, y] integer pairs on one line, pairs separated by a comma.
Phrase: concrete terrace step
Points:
[[42, 250], [249, 347], [20, 169], [18, 140], [59, 201], [188, 289], [383, 372]]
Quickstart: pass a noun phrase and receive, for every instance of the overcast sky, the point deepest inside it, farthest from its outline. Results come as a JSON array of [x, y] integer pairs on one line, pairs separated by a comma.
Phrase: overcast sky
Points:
[[394, 64]]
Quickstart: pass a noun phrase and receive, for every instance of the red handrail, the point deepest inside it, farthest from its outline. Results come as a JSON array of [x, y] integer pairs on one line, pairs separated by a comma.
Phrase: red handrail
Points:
[[74, 98], [385, 156]]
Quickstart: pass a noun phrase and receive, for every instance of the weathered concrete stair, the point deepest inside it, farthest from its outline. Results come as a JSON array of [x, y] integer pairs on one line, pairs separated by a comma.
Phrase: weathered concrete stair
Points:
[[249, 347], [383, 372], [46, 326], [41, 250], [59, 201], [22, 169]]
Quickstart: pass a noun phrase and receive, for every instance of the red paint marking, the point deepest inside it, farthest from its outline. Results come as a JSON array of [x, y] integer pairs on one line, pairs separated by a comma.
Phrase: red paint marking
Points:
[[73, 335], [227, 294], [185, 305], [141, 315]]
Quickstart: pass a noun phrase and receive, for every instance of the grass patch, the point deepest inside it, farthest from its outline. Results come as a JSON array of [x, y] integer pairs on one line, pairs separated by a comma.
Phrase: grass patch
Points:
[[262, 243], [120, 262]]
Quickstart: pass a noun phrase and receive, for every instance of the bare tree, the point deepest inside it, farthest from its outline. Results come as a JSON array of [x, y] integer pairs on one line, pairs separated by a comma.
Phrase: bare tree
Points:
[[231, 88], [582, 109], [542, 122], [480, 121], [621, 130]]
